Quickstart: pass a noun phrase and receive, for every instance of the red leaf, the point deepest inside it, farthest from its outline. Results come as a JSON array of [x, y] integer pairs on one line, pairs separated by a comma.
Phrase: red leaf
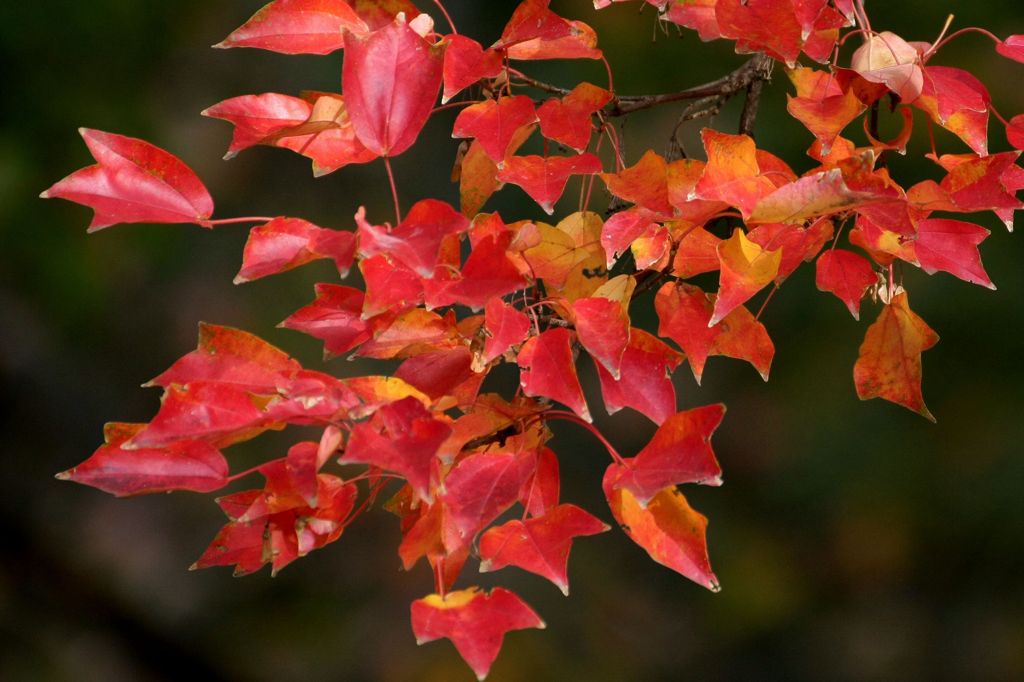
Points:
[[505, 326], [603, 328], [952, 246], [276, 525], [218, 413], [238, 543], [297, 27], [231, 356], [465, 63], [416, 242], [544, 177], [532, 20], [410, 333], [390, 286], [475, 622], [334, 317], [684, 311], [581, 43], [134, 182], [959, 102], [985, 183], [402, 437], [540, 545], [313, 398], [1015, 131], [541, 491], [761, 26], [668, 529], [494, 123], [286, 243], [645, 383], [1012, 48], [390, 79], [846, 275], [257, 117], [487, 275], [328, 137], [622, 229], [185, 465], [679, 452], [480, 488], [442, 373], [889, 362], [547, 369], [569, 120]]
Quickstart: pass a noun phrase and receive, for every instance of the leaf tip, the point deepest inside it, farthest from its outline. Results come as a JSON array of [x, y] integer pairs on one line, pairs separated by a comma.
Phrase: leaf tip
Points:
[[64, 475]]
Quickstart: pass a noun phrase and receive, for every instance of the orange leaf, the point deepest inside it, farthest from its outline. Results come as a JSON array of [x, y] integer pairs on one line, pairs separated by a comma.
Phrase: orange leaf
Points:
[[668, 529], [889, 365], [733, 173], [746, 269]]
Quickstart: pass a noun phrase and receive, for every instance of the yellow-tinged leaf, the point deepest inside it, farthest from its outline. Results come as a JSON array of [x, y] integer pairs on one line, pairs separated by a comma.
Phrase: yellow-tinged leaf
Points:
[[619, 288], [569, 257], [452, 600], [889, 365], [746, 269], [668, 529]]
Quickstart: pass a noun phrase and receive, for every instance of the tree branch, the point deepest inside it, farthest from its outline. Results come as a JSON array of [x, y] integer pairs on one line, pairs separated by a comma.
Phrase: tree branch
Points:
[[750, 106], [755, 70]]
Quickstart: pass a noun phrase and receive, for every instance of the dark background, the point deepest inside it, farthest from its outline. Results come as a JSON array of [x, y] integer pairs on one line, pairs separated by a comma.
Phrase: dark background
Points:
[[853, 540]]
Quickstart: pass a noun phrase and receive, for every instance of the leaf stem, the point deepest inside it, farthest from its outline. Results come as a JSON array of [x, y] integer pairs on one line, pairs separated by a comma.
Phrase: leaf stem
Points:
[[394, 190], [452, 105], [576, 419], [447, 17], [233, 221]]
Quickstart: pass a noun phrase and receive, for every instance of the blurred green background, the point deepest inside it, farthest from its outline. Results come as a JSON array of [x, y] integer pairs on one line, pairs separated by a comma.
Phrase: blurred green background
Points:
[[854, 541]]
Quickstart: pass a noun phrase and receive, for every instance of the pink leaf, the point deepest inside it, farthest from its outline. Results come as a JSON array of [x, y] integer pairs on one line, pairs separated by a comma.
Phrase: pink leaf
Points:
[[134, 182]]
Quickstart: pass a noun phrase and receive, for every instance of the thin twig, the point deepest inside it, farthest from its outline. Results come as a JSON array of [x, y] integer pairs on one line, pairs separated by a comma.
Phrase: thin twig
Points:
[[394, 190], [755, 69]]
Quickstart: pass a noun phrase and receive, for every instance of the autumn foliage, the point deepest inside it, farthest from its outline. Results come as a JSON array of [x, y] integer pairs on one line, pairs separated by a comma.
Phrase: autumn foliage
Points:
[[450, 293]]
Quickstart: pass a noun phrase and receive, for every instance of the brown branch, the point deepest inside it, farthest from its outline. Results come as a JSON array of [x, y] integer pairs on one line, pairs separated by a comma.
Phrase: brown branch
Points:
[[725, 87], [753, 71], [750, 106]]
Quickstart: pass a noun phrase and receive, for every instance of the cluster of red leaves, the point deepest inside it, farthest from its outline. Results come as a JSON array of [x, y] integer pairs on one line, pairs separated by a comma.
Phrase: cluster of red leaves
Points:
[[450, 294]]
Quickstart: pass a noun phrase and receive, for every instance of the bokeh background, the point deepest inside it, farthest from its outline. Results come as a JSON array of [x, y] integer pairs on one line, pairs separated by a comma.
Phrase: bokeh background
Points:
[[854, 541]]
